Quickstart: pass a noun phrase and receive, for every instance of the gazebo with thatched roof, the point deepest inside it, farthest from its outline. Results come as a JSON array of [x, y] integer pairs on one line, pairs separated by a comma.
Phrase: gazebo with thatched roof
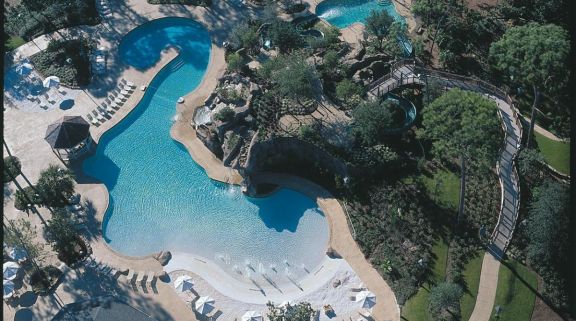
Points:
[[69, 137]]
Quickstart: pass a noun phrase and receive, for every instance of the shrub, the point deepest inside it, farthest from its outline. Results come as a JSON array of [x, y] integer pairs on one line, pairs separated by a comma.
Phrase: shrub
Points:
[[225, 114], [236, 62], [285, 36], [202, 3], [349, 92], [44, 279], [245, 36], [371, 120], [292, 74], [12, 168], [56, 185], [53, 61], [64, 236], [445, 301], [25, 197], [297, 7]]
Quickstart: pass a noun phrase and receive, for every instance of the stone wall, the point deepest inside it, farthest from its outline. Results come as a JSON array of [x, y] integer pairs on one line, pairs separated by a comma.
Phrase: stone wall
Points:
[[289, 147]]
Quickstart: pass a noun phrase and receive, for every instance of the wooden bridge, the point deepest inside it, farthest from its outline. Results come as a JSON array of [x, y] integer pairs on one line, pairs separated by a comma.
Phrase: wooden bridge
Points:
[[406, 72]]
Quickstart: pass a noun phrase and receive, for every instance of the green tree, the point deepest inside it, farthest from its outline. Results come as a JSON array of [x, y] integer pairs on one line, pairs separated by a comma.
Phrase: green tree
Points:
[[292, 74], [56, 185], [444, 301], [378, 24], [298, 312], [27, 197], [463, 124], [12, 168], [245, 36], [330, 61], [63, 234], [225, 114], [535, 56], [236, 62], [285, 36], [21, 233], [530, 165], [548, 232], [348, 91], [371, 120]]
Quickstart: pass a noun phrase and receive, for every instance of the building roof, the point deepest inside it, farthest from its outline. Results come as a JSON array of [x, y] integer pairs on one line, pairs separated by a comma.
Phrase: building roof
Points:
[[68, 132], [101, 309]]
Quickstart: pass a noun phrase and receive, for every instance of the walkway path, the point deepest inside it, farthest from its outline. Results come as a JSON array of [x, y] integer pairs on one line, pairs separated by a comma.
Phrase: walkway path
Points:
[[24, 133], [405, 72]]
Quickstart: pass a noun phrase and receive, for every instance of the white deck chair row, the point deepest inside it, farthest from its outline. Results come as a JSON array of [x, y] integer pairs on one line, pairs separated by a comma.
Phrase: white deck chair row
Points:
[[112, 104]]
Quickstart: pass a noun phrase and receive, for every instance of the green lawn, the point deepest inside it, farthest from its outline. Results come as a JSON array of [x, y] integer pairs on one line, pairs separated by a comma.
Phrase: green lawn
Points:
[[14, 42], [556, 154], [471, 275], [443, 187], [416, 308], [514, 297]]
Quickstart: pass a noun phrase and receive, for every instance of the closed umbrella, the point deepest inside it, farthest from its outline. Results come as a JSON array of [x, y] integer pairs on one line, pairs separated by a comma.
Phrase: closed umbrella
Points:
[[183, 283], [367, 299], [8, 289], [10, 270], [204, 304], [18, 254], [252, 316], [51, 81]]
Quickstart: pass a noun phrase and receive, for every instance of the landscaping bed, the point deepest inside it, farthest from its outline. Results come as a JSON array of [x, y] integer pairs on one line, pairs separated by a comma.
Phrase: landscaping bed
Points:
[[38, 18], [53, 62]]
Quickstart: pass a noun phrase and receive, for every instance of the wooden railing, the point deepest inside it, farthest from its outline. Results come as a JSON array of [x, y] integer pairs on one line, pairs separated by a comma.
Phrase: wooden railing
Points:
[[480, 86]]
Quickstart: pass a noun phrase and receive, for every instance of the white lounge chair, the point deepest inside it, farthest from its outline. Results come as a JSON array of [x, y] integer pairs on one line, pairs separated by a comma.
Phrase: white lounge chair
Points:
[[130, 276], [119, 101], [114, 105], [125, 93], [98, 116], [108, 108], [92, 119], [131, 84], [102, 111]]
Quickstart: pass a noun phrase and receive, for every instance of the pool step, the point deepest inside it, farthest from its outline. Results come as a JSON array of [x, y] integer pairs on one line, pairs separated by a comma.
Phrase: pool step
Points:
[[177, 63]]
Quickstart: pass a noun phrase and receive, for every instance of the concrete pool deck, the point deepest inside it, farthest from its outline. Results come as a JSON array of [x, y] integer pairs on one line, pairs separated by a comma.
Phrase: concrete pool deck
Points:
[[24, 133]]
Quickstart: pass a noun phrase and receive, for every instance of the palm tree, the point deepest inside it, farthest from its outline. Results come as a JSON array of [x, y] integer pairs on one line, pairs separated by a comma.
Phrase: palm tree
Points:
[[56, 184]]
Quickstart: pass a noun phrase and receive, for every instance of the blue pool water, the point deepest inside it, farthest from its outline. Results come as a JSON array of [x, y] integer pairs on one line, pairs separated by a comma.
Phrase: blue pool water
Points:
[[160, 199], [343, 13]]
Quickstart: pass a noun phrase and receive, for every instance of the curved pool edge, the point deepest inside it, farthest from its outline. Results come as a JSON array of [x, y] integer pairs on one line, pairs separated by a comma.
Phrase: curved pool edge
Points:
[[402, 10], [342, 242]]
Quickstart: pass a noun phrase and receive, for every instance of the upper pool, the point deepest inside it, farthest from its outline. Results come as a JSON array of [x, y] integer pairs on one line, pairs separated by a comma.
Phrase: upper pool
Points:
[[160, 199], [343, 13]]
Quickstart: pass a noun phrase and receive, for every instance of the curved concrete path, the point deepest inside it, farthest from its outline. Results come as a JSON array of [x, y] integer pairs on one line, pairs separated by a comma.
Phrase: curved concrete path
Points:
[[405, 72]]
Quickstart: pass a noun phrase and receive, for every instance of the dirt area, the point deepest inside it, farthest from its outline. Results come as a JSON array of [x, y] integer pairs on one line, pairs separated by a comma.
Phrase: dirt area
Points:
[[541, 310], [479, 4]]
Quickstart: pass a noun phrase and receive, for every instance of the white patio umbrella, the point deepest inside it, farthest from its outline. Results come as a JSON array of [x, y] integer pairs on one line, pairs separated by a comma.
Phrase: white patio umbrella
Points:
[[204, 304], [24, 69], [51, 81], [252, 316], [10, 270], [183, 283], [8, 288], [367, 299], [18, 254]]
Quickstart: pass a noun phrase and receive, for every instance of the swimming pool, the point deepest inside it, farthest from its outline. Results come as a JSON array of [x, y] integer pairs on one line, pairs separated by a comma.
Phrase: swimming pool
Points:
[[160, 199], [343, 13]]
